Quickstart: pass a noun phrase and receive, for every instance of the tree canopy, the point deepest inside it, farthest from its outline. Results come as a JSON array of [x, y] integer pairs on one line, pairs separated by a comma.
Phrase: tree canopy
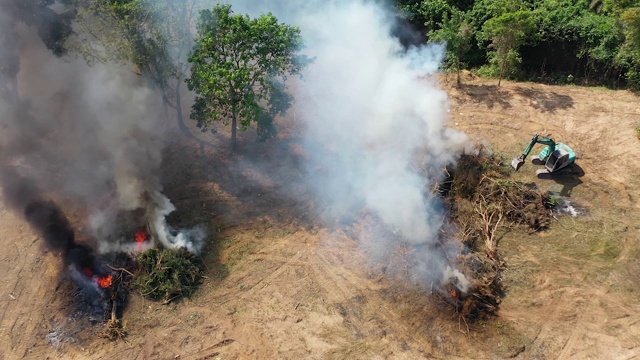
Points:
[[238, 66], [506, 34], [457, 33], [556, 41], [153, 35]]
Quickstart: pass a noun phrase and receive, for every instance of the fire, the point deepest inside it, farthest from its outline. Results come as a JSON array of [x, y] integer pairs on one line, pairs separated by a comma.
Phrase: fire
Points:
[[454, 294], [105, 281], [141, 235]]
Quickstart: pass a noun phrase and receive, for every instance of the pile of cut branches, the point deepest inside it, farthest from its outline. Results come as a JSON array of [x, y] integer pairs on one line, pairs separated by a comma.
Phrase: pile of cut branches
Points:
[[484, 204], [519, 202], [486, 291], [167, 274]]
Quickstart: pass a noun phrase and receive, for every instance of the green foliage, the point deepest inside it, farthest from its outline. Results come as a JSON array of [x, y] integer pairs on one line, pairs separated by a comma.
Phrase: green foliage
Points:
[[427, 13], [629, 55], [238, 68], [457, 33], [507, 33], [631, 21], [434, 12], [154, 35], [484, 10], [600, 37], [167, 274], [589, 41]]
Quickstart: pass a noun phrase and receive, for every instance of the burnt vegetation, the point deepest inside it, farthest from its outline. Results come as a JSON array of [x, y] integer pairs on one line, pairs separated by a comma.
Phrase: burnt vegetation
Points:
[[122, 265], [158, 274], [485, 204]]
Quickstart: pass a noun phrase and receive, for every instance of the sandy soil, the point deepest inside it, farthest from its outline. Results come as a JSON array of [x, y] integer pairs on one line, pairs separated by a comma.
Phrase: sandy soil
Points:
[[281, 285]]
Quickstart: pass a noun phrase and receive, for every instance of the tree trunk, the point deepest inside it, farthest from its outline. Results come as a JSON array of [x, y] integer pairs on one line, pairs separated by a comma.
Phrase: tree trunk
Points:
[[458, 72], [501, 72], [183, 127], [234, 130]]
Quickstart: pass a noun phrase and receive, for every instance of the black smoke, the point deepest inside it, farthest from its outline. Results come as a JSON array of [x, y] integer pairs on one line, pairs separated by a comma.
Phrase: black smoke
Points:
[[47, 219]]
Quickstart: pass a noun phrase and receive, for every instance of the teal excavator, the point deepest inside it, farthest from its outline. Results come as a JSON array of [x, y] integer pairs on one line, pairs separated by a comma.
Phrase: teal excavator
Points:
[[555, 156]]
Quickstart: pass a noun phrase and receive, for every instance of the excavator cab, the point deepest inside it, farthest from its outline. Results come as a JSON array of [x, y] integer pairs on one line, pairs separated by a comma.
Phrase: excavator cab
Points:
[[560, 158]]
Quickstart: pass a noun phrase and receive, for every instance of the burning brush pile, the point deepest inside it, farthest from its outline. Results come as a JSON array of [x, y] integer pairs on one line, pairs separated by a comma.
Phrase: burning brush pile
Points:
[[105, 279], [92, 137], [467, 214], [483, 203]]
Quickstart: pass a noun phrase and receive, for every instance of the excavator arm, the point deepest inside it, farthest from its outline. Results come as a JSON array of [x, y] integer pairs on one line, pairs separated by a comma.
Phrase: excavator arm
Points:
[[537, 139]]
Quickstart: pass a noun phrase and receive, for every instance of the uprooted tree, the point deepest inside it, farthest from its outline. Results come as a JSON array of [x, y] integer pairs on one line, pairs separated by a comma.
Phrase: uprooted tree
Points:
[[238, 66]]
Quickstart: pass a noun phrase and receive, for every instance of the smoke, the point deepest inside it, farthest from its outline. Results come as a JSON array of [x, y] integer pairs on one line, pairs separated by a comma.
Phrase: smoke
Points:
[[375, 124], [92, 136], [376, 130], [46, 218]]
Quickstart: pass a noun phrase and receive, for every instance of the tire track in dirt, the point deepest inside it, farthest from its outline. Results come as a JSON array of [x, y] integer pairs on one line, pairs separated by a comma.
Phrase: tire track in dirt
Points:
[[590, 340], [591, 318], [340, 269], [27, 278], [547, 336], [581, 321], [283, 266]]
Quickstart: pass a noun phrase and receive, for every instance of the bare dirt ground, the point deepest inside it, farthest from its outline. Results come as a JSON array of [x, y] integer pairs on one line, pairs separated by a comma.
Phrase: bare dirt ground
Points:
[[281, 285]]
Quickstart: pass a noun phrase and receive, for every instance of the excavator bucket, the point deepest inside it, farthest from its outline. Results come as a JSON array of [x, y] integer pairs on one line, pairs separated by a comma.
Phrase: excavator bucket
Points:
[[517, 163]]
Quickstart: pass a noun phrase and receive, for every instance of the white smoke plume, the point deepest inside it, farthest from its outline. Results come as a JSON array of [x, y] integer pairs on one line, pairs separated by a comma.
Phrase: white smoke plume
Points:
[[376, 121], [90, 135], [376, 129]]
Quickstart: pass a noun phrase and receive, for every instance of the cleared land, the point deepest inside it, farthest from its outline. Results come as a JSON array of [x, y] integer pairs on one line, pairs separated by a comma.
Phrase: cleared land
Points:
[[281, 285]]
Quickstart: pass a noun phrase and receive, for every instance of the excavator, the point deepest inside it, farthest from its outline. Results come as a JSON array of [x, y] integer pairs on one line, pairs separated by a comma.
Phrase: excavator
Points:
[[555, 156]]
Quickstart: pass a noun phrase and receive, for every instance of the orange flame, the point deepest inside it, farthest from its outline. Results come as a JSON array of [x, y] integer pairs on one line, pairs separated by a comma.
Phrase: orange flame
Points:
[[141, 235], [105, 281], [454, 294]]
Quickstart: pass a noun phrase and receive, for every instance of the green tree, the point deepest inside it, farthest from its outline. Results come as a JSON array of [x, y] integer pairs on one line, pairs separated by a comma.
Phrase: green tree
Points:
[[507, 33], [629, 55], [631, 20], [237, 68], [483, 10], [457, 33], [153, 35]]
